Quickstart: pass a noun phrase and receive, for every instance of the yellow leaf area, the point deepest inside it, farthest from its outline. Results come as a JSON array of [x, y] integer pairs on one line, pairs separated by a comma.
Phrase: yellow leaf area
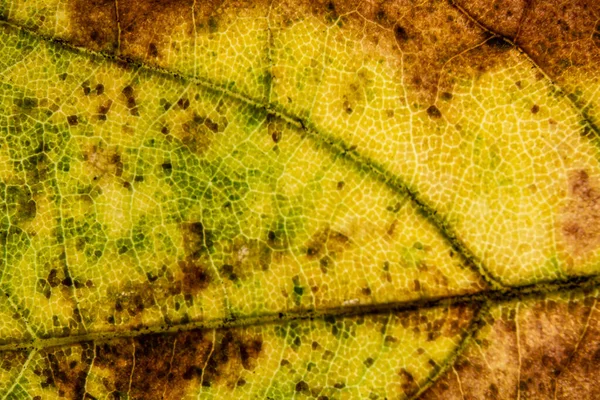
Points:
[[292, 199]]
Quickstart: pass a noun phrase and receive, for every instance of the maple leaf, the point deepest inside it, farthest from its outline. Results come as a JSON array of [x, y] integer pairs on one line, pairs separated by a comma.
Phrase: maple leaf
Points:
[[286, 199]]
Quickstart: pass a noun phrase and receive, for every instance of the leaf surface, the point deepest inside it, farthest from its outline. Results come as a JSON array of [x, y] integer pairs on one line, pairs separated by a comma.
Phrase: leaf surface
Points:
[[288, 199]]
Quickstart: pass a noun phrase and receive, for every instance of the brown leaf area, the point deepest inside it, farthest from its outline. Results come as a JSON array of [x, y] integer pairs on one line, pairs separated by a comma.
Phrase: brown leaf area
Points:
[[536, 349]]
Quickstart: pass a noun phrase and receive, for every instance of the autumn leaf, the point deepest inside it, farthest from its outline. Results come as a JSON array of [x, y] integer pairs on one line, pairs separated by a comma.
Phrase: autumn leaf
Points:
[[286, 199]]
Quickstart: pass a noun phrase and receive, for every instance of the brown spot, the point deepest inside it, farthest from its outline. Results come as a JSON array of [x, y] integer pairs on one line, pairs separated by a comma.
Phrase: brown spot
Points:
[[183, 103], [53, 278], [73, 120], [434, 112], [276, 136], [446, 96], [535, 109], [302, 387], [327, 241], [130, 98], [104, 108], [581, 216], [400, 34]]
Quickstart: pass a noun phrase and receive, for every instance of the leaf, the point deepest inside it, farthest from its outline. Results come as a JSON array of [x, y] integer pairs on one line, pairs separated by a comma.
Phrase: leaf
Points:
[[299, 200]]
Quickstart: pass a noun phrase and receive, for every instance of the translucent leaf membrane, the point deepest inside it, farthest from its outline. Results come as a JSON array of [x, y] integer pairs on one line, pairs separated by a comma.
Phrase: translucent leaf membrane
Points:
[[473, 126], [135, 199], [386, 355]]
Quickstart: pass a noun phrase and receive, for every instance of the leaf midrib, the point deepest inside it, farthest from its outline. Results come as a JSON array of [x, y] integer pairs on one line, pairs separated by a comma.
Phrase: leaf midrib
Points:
[[522, 293]]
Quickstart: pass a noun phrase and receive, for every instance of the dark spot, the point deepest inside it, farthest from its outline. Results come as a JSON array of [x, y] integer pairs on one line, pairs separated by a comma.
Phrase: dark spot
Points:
[[152, 50], [99, 89], [167, 167], [340, 185], [211, 125], [53, 279], [128, 91], [400, 34], [227, 271], [498, 42], [389, 340], [434, 112], [73, 120], [446, 96], [535, 109], [523, 386], [276, 136], [183, 103], [164, 130], [417, 285], [103, 109], [302, 387], [369, 362]]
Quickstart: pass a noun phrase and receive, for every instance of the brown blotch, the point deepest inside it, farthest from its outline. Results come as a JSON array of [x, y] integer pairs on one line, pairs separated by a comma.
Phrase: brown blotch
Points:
[[535, 109], [326, 242], [198, 133], [244, 257], [195, 276], [93, 24], [581, 217], [67, 370], [12, 360], [104, 161], [195, 239]]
